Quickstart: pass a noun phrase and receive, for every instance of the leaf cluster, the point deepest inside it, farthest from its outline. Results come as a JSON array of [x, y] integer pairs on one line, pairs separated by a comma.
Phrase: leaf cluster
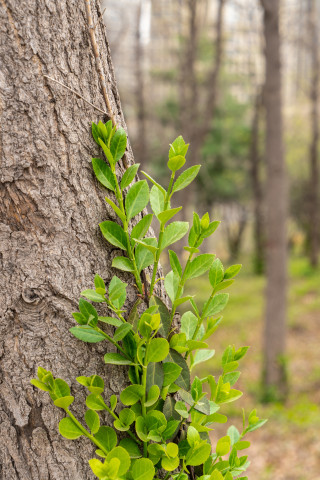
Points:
[[163, 416]]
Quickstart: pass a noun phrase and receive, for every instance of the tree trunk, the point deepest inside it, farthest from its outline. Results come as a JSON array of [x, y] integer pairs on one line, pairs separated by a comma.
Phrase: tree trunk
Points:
[[276, 202], [50, 245], [314, 169], [255, 164]]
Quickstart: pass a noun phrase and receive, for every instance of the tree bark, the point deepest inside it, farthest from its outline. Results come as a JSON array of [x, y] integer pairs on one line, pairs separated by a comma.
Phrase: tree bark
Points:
[[50, 245], [255, 167], [314, 168], [276, 202]]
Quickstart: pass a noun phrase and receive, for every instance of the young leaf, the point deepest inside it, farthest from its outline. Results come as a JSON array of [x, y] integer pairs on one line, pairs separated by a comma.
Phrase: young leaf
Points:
[[216, 273], [87, 334], [103, 173], [142, 227], [92, 420], [174, 232], [68, 429], [95, 402], [137, 198], [143, 256], [123, 263], [186, 178], [199, 265], [114, 234], [164, 314], [171, 283], [93, 296], [166, 215], [223, 446], [116, 359], [116, 209], [118, 144], [131, 394], [87, 309], [143, 469], [117, 292], [99, 283], [178, 147], [155, 183], [232, 271], [129, 175], [181, 408], [122, 331], [158, 350], [107, 152], [216, 304], [175, 263], [156, 200], [189, 324], [64, 402]]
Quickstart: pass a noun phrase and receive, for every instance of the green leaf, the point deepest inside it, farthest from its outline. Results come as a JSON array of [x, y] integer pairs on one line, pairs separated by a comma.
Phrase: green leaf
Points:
[[116, 209], [116, 359], [171, 373], [131, 447], [115, 322], [186, 178], [169, 410], [107, 152], [216, 273], [64, 402], [93, 296], [170, 464], [87, 334], [178, 147], [129, 175], [155, 375], [255, 426], [175, 163], [68, 429], [99, 283], [61, 388], [199, 265], [189, 324], [99, 469], [158, 350], [181, 408], [79, 318], [199, 454], [152, 396], [40, 385], [223, 285], [175, 263], [174, 232], [216, 304], [166, 215], [183, 380], [137, 198], [172, 429], [223, 446], [118, 144], [122, 331], [171, 283], [143, 469], [193, 436], [232, 271], [117, 292], [155, 183], [127, 416], [87, 309], [92, 420], [145, 258], [123, 263], [164, 314], [95, 402], [95, 132], [211, 229], [196, 345], [122, 455], [103, 173], [114, 234], [157, 200], [234, 434], [96, 384], [131, 394], [142, 227], [202, 356]]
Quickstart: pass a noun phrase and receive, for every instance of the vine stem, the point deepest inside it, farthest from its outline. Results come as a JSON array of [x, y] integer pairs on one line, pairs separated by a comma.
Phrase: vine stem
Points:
[[156, 263], [143, 400], [112, 341], [85, 432]]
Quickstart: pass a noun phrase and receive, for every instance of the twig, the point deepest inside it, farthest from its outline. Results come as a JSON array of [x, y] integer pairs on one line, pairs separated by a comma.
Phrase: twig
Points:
[[76, 93], [98, 61], [99, 19]]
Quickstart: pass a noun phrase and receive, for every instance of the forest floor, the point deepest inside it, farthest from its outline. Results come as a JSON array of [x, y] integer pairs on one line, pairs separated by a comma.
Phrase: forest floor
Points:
[[288, 446]]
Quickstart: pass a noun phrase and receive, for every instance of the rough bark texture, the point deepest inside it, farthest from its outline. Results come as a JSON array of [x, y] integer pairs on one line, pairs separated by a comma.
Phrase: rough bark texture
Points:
[[50, 243], [314, 168], [276, 202]]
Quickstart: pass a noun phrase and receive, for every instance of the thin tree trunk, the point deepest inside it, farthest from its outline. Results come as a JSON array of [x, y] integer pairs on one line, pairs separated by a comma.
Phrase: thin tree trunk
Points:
[[255, 163], [276, 202], [50, 208], [314, 168]]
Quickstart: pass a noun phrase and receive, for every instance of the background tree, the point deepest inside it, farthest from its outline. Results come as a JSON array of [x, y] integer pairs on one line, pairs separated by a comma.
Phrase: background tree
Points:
[[50, 209], [274, 374]]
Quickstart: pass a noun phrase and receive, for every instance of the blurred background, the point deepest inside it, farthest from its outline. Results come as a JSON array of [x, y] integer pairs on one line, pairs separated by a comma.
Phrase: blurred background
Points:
[[210, 70]]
